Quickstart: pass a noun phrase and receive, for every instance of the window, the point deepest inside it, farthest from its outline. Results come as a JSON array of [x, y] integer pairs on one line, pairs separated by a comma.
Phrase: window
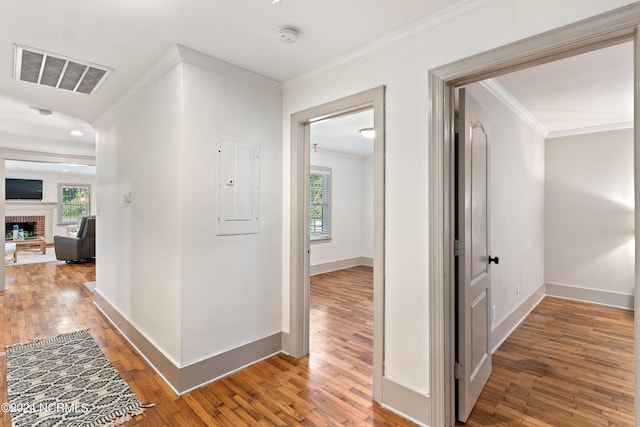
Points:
[[75, 202], [319, 203]]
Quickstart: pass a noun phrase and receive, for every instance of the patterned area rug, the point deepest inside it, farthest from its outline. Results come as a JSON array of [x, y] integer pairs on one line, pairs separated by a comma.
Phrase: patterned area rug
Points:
[[66, 381]]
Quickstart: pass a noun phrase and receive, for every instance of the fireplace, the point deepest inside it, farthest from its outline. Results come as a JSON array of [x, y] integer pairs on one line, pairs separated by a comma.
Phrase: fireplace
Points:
[[33, 225]]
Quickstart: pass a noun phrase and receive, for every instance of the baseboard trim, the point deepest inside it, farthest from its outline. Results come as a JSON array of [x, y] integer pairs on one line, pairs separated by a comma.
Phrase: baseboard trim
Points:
[[407, 403], [612, 299], [160, 363], [194, 375], [502, 331], [286, 343], [340, 265], [205, 371]]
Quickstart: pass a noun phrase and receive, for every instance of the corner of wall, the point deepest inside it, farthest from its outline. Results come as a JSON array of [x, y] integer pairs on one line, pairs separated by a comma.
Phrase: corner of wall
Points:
[[501, 332], [183, 379]]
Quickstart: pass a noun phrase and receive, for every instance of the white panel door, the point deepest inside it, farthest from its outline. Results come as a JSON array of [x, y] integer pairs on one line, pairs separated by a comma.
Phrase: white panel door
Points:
[[473, 365]]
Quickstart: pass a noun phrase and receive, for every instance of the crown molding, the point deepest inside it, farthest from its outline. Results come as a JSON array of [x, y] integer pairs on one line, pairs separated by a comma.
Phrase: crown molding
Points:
[[19, 138], [227, 69], [444, 18], [507, 99], [181, 54], [342, 154], [591, 129], [45, 156]]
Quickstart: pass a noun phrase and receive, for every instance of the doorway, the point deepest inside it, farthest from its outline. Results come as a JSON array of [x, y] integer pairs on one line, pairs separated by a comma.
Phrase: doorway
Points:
[[605, 30], [341, 192], [36, 165], [298, 340], [341, 238]]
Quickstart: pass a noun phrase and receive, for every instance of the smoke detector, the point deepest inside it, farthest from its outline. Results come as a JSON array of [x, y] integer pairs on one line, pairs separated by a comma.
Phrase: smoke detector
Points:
[[287, 34]]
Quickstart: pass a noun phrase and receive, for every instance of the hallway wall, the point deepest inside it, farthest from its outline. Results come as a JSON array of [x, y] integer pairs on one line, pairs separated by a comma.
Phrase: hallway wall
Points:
[[589, 212]]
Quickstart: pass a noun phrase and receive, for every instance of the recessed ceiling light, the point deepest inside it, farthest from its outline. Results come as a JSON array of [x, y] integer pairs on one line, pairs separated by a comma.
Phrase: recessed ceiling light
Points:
[[75, 132], [65, 170], [368, 133]]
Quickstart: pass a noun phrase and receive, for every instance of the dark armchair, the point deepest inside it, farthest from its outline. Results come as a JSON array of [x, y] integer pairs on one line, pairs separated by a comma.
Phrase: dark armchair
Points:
[[80, 248]]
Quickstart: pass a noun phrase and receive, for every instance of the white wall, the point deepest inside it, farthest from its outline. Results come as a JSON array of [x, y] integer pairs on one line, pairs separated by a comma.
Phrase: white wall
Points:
[[516, 209], [140, 150], [589, 233], [138, 245], [231, 284], [351, 208], [402, 67], [193, 294]]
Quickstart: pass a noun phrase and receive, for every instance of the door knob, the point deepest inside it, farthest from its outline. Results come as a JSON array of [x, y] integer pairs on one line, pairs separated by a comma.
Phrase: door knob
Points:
[[495, 260]]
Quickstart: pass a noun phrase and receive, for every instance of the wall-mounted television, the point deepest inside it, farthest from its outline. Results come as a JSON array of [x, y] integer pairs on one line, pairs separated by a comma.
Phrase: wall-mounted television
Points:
[[23, 189]]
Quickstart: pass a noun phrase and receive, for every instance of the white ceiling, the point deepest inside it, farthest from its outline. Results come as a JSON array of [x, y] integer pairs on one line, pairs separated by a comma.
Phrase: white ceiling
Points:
[[584, 93], [581, 93], [341, 134], [131, 36]]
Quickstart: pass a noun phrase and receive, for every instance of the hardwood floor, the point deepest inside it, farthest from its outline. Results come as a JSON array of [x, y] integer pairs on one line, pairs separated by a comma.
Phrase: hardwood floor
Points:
[[567, 364], [330, 387]]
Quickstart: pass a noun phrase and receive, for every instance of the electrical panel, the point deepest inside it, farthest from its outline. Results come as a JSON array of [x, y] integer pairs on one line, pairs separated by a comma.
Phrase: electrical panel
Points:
[[238, 187]]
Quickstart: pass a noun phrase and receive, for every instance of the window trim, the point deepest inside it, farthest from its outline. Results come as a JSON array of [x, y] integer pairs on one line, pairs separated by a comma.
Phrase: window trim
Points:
[[323, 237], [65, 185]]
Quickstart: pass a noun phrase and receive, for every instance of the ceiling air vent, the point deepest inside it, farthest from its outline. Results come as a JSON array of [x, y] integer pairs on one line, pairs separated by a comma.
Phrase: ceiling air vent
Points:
[[49, 69]]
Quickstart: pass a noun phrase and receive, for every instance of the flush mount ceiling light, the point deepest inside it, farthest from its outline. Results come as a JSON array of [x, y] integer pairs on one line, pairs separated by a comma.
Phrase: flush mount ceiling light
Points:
[[53, 70], [42, 111], [369, 133], [287, 34], [75, 132]]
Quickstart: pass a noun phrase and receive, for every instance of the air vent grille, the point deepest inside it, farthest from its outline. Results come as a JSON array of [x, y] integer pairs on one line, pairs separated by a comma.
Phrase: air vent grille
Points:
[[44, 68]]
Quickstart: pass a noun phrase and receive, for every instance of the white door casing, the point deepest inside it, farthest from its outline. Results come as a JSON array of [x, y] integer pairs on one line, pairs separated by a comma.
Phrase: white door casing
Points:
[[297, 342], [600, 31]]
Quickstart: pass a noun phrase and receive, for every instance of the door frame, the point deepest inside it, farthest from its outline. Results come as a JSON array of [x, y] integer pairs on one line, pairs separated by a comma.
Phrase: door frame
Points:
[[297, 343], [31, 156], [583, 36]]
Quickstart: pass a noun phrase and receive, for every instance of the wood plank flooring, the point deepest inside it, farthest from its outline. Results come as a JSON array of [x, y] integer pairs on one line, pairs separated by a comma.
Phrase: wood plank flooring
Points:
[[567, 364], [330, 387]]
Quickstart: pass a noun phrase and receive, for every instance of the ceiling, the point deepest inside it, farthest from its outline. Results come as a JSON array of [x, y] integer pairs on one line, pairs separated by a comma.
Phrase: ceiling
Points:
[[341, 134], [53, 168], [131, 36], [582, 93], [586, 93]]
